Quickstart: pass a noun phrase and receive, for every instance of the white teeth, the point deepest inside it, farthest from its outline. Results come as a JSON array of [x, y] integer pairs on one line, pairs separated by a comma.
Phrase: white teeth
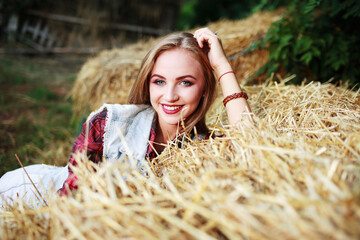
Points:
[[171, 107]]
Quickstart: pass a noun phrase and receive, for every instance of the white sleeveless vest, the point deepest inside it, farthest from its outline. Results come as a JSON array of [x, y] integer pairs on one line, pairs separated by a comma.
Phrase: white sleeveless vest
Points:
[[127, 132]]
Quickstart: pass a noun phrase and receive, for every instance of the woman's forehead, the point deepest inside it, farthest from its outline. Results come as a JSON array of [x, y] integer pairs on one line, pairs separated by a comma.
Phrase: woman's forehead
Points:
[[176, 59]]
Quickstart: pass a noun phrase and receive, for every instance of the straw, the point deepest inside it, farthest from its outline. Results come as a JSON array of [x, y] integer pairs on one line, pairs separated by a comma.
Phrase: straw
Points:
[[292, 173]]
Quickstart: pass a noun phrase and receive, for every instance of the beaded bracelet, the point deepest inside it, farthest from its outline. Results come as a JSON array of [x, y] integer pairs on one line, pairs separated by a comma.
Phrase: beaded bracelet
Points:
[[235, 96], [225, 74]]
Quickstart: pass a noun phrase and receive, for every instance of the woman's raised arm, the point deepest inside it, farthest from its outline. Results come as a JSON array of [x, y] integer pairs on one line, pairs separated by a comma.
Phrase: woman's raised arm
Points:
[[234, 96]]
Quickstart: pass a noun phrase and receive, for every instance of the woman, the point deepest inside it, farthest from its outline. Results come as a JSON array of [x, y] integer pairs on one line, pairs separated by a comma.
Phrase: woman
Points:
[[173, 91]]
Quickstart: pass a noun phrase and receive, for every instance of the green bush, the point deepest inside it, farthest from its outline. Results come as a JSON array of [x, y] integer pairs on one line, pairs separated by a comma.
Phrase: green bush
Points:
[[200, 12], [317, 40]]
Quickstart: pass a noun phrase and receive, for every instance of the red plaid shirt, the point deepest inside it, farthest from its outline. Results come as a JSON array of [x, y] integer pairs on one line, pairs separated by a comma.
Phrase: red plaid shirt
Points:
[[95, 145]]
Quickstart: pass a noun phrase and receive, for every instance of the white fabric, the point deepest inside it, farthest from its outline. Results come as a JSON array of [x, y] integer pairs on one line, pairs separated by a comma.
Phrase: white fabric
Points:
[[134, 122], [47, 179], [127, 132]]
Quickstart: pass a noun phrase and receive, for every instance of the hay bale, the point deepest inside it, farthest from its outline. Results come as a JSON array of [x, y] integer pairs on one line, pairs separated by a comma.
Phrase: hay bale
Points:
[[109, 76], [292, 174]]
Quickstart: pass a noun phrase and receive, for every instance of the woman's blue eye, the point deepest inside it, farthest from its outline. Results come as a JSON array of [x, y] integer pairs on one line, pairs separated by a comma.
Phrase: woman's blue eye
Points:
[[159, 82], [186, 83]]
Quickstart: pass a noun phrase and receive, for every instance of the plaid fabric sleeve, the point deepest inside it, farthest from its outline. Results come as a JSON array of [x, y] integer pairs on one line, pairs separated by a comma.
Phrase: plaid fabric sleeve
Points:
[[151, 153], [93, 146]]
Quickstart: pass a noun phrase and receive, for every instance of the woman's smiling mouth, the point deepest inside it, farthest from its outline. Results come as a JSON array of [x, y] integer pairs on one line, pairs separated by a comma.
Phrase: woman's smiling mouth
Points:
[[171, 109]]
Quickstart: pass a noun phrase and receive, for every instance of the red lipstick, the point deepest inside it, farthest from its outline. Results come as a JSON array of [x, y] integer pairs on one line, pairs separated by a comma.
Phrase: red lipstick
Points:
[[171, 109]]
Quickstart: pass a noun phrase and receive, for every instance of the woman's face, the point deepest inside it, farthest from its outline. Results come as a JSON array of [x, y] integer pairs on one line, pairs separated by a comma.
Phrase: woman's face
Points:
[[176, 86]]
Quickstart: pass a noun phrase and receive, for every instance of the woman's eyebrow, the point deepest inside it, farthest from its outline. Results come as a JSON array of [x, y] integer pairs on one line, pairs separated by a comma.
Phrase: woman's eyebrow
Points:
[[178, 78], [156, 75], [186, 76]]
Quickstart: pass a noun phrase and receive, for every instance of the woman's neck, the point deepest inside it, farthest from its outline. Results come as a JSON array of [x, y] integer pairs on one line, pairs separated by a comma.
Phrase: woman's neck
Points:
[[162, 137], [166, 132]]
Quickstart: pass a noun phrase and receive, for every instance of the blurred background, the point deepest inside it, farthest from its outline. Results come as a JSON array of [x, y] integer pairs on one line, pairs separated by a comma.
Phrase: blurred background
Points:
[[112, 23], [44, 44]]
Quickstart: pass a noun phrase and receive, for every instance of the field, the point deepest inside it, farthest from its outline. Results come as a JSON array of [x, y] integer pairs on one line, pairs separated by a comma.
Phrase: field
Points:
[[36, 111]]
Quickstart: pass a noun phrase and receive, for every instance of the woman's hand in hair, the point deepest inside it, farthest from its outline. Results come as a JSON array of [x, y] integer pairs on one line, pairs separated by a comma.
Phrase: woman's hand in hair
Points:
[[237, 107], [217, 58]]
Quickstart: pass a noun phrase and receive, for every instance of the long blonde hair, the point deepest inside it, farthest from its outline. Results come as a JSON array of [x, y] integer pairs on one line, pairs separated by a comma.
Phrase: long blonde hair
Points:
[[140, 94]]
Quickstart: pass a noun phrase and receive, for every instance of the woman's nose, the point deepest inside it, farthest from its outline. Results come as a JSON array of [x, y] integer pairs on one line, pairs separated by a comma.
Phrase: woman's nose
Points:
[[171, 94]]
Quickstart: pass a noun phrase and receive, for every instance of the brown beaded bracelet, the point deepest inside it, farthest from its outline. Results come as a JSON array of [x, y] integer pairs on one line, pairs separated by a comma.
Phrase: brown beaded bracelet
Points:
[[235, 96]]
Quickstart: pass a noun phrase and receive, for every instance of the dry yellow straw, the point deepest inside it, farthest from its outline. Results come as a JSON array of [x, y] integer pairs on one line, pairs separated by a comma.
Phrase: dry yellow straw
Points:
[[293, 173], [37, 190]]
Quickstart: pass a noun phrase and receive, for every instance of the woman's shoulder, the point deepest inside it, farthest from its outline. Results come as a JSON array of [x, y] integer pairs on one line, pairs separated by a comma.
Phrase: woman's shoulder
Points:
[[97, 116]]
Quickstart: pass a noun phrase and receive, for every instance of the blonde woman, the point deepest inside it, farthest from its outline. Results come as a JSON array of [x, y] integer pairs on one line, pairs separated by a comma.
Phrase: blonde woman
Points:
[[173, 91]]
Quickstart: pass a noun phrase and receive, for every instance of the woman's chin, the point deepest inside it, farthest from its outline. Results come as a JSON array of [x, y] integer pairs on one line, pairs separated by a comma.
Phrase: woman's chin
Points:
[[174, 121]]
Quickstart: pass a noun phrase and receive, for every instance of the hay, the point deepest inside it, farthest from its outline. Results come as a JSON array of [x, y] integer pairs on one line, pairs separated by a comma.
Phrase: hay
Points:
[[292, 174], [109, 76]]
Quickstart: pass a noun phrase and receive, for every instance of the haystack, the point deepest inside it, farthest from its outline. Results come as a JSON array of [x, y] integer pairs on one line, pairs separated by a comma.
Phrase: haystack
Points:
[[109, 76], [293, 173]]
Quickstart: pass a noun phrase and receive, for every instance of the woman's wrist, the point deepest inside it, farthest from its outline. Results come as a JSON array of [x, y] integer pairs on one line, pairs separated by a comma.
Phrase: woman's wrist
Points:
[[221, 69]]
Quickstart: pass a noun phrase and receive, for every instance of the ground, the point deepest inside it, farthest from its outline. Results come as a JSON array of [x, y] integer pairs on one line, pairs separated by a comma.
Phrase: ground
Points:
[[37, 122]]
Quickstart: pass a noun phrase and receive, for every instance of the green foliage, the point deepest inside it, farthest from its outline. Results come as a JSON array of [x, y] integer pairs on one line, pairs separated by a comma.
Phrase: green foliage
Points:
[[187, 14], [317, 40], [268, 5], [200, 12]]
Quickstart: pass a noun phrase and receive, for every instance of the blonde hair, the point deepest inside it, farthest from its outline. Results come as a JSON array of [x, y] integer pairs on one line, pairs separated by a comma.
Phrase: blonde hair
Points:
[[140, 94]]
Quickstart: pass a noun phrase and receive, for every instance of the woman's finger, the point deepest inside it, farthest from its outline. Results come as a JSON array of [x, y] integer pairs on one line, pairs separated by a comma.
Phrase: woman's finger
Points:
[[205, 35], [216, 52]]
